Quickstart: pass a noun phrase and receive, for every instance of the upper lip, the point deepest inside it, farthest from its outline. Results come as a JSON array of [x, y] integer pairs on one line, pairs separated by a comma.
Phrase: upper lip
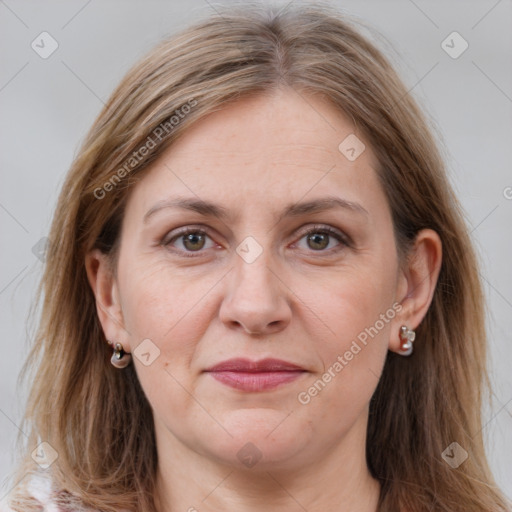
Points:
[[249, 366]]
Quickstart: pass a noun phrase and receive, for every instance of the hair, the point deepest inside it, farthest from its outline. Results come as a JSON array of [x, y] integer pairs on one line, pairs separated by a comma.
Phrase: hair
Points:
[[98, 419]]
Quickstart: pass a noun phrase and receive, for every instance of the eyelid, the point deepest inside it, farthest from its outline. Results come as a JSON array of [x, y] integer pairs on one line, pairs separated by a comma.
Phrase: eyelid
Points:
[[185, 230], [343, 238]]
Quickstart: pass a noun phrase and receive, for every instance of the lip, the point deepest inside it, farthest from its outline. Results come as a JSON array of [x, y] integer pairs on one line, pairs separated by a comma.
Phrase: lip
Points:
[[255, 376]]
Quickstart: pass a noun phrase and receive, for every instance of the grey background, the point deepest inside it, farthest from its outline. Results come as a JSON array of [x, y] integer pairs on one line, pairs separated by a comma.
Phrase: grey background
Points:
[[47, 105]]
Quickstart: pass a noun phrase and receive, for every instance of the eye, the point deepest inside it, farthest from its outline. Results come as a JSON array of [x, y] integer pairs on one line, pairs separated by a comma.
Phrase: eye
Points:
[[191, 239], [318, 238]]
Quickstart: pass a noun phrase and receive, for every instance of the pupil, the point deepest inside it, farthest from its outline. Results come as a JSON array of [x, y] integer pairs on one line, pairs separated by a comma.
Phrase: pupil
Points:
[[193, 238], [315, 239]]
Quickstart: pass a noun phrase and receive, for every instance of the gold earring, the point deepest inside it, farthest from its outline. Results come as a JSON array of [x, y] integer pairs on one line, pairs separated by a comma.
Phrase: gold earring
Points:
[[407, 336]]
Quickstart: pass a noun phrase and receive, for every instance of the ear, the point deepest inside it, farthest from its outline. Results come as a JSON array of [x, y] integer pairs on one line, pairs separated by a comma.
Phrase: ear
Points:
[[416, 283], [106, 291]]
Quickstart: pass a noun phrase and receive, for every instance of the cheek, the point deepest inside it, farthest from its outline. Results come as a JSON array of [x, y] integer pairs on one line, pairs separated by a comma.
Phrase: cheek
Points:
[[172, 311], [356, 312], [167, 306], [352, 300]]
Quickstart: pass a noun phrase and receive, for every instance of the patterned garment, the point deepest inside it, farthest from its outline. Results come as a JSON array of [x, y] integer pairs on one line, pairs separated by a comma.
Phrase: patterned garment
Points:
[[40, 488]]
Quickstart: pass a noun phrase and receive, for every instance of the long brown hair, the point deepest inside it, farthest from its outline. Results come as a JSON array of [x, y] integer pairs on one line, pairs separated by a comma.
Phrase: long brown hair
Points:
[[98, 419]]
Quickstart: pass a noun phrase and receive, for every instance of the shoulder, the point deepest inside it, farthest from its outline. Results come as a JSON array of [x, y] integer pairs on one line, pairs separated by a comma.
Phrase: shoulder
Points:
[[4, 507], [41, 494]]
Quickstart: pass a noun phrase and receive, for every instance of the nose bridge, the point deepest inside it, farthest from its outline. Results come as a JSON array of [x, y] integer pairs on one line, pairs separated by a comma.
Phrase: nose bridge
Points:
[[253, 277], [256, 299]]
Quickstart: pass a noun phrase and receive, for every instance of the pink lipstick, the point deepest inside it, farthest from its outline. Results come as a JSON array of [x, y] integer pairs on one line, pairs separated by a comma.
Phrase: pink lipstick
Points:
[[247, 375]]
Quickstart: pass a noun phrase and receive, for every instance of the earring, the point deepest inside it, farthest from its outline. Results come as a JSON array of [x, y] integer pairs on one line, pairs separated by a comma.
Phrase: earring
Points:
[[120, 358], [407, 336]]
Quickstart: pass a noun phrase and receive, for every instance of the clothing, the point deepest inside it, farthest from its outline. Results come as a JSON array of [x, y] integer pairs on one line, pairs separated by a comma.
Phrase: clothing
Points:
[[40, 488]]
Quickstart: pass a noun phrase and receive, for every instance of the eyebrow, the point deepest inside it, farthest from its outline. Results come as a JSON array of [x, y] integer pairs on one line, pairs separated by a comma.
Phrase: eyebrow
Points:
[[208, 208]]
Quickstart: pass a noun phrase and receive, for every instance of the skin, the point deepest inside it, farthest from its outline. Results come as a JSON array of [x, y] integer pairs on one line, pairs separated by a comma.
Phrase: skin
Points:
[[296, 301]]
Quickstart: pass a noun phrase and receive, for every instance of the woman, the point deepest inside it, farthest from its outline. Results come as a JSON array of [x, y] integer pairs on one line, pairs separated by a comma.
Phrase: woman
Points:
[[260, 291]]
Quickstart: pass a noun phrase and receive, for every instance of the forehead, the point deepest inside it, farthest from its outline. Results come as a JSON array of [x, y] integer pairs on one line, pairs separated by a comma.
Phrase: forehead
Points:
[[264, 150], [284, 126]]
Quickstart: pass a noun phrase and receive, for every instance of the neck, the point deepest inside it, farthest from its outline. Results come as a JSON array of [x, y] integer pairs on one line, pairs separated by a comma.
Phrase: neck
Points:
[[338, 480]]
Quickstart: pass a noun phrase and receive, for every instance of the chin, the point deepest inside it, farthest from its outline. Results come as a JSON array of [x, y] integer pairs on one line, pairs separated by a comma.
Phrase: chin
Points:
[[263, 439]]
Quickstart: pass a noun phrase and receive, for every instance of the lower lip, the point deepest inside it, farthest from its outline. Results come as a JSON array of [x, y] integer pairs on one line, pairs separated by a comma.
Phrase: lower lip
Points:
[[255, 381]]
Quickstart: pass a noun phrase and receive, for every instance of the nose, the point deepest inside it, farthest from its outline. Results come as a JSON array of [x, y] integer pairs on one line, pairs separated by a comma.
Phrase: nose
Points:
[[257, 301]]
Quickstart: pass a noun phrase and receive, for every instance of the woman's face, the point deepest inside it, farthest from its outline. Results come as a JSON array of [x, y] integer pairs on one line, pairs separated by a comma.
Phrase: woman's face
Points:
[[249, 283]]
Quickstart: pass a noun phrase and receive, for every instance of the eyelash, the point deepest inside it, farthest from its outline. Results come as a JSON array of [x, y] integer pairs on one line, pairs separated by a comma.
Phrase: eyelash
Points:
[[324, 229]]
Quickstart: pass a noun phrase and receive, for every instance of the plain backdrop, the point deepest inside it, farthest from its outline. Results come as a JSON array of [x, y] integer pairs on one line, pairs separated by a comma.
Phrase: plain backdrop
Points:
[[48, 104]]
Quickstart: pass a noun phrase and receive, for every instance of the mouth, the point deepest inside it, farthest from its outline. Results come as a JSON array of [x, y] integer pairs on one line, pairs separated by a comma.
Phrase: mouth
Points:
[[255, 376]]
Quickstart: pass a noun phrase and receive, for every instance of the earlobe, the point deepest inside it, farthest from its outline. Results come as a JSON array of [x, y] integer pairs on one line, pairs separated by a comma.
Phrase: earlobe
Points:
[[417, 284], [105, 289]]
